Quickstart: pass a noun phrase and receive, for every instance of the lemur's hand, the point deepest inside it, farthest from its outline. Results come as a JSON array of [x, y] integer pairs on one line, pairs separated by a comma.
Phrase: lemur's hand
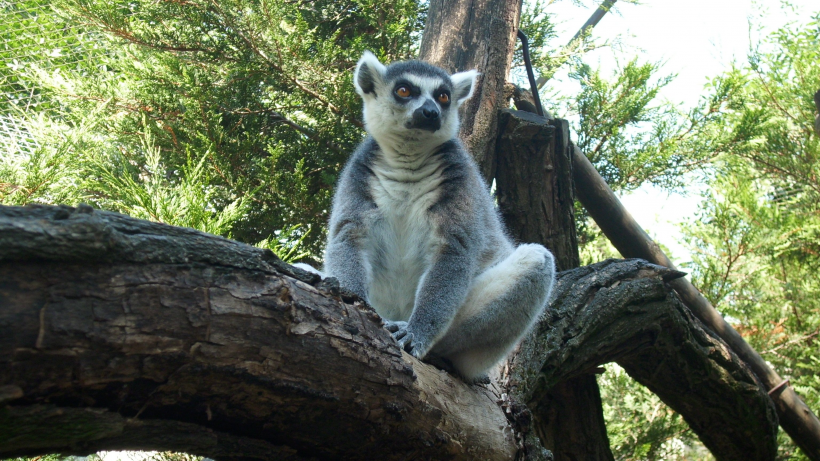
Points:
[[393, 327], [406, 339]]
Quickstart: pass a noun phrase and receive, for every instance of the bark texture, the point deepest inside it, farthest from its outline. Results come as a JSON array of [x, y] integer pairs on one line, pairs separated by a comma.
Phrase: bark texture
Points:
[[120, 333], [624, 312], [535, 196], [461, 35], [117, 333], [534, 183]]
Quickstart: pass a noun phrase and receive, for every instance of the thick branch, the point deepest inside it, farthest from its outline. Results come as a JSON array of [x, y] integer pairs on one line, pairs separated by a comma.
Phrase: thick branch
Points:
[[117, 333], [622, 311], [632, 242]]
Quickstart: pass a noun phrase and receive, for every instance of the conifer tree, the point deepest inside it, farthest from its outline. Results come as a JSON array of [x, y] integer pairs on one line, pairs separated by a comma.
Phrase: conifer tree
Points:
[[756, 240], [230, 117]]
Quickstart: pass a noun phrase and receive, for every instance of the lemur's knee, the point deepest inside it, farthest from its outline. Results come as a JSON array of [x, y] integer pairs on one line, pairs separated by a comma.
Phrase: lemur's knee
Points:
[[535, 257], [536, 268]]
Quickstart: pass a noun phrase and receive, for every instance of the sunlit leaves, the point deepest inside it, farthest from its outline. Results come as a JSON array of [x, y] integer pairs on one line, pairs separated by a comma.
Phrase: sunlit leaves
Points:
[[247, 104], [756, 242]]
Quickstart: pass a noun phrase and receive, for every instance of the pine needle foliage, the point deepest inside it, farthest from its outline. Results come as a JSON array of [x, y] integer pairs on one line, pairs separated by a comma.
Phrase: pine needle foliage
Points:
[[640, 426], [230, 117], [756, 241]]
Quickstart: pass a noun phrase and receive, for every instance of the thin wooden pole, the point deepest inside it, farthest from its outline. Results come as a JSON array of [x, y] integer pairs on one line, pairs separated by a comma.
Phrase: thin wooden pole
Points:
[[633, 242]]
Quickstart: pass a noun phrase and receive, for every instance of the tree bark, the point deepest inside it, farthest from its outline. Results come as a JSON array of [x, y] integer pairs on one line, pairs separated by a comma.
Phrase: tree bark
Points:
[[117, 333], [659, 343], [536, 200], [534, 183], [632, 242], [475, 34]]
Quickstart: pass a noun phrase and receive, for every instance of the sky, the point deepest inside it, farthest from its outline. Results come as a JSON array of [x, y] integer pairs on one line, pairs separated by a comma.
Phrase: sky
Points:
[[695, 39]]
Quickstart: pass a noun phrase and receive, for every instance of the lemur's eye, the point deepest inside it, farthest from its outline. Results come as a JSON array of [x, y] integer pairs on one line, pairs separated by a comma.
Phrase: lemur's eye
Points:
[[403, 92], [443, 98]]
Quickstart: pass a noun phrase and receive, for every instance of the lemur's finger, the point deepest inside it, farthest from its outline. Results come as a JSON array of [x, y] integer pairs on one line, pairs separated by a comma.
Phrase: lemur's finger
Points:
[[407, 342]]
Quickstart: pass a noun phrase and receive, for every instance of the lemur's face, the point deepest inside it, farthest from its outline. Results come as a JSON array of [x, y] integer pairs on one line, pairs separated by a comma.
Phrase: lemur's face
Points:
[[411, 106]]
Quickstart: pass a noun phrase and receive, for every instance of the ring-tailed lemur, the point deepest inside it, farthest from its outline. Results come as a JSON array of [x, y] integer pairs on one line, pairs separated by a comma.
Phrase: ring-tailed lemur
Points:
[[414, 230]]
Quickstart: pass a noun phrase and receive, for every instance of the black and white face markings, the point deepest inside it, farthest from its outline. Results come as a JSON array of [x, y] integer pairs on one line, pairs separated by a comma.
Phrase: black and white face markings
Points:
[[410, 106], [427, 99]]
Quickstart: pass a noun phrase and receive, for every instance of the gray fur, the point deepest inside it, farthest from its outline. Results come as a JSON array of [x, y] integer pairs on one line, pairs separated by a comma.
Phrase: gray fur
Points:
[[414, 230]]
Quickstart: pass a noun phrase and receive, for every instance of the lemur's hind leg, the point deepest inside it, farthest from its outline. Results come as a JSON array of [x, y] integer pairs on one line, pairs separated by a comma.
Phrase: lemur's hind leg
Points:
[[503, 303]]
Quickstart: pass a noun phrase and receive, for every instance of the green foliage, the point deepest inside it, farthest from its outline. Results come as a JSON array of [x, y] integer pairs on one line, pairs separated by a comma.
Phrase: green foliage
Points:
[[287, 243], [547, 56], [640, 426], [58, 457], [125, 455], [632, 137], [172, 456], [539, 27], [144, 191], [41, 458], [756, 242], [44, 172], [259, 95], [596, 246], [233, 118], [30, 37]]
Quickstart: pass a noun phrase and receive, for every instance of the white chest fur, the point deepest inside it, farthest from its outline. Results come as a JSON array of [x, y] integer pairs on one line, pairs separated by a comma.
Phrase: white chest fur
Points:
[[402, 238]]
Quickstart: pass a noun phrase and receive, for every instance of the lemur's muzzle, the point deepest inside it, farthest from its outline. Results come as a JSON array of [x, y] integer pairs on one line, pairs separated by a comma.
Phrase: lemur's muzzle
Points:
[[427, 117]]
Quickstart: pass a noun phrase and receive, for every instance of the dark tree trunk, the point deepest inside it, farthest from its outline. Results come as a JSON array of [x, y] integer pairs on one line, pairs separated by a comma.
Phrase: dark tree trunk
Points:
[[117, 333], [475, 34], [534, 183], [569, 420], [535, 196]]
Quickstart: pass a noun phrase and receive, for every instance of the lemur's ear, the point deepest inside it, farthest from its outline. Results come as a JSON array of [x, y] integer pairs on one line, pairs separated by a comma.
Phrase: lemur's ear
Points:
[[463, 85], [369, 73]]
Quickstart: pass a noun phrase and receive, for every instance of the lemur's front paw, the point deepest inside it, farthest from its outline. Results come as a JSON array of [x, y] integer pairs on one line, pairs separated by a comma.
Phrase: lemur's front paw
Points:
[[406, 339], [393, 327]]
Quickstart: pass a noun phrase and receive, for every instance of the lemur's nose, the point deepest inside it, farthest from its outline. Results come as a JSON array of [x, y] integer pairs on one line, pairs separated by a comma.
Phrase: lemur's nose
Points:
[[427, 117]]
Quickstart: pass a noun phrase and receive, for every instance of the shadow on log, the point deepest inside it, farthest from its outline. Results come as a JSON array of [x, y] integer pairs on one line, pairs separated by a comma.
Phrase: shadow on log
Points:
[[117, 333]]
